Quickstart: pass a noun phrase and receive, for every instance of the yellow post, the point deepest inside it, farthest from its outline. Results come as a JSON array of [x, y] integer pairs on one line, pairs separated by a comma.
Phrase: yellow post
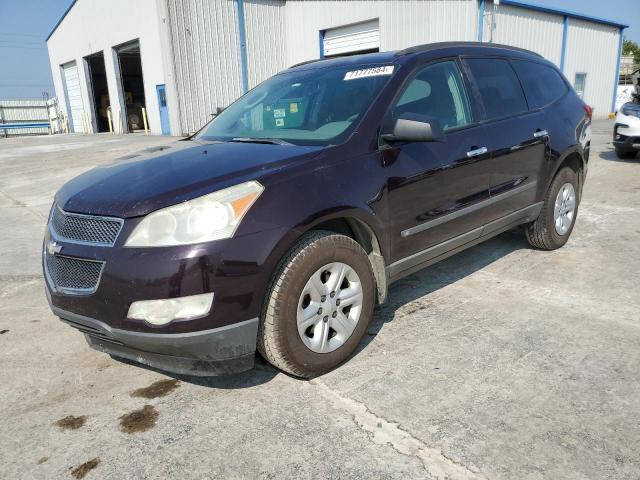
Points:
[[65, 122], [144, 119], [110, 121]]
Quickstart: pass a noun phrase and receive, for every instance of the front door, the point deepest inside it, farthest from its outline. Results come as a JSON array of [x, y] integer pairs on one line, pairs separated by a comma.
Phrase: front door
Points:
[[437, 190], [164, 111]]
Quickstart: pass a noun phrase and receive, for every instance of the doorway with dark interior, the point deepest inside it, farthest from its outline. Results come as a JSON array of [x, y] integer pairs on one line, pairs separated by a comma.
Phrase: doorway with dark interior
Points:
[[99, 90], [132, 84]]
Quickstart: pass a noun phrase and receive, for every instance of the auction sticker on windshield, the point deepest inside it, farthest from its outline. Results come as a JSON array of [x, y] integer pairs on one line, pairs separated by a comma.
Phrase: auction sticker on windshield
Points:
[[369, 72]]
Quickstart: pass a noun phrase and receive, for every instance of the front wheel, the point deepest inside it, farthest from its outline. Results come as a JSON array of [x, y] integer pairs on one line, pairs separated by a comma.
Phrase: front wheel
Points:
[[555, 223], [318, 305]]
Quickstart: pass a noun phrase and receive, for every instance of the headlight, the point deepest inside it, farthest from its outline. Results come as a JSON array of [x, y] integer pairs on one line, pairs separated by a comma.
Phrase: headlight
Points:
[[631, 109], [203, 219]]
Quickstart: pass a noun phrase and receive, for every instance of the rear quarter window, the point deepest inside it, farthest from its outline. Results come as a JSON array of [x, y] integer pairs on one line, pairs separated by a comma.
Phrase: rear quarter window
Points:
[[499, 87], [542, 84]]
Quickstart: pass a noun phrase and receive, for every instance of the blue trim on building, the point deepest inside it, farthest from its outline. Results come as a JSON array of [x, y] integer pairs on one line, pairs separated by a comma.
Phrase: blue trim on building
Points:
[[481, 21], [617, 80], [9, 126], [565, 31], [243, 46], [321, 43], [55, 27], [567, 13]]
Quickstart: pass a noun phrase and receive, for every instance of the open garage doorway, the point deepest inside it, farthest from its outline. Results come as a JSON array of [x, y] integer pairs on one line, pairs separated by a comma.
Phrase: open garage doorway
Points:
[[99, 90], [132, 84]]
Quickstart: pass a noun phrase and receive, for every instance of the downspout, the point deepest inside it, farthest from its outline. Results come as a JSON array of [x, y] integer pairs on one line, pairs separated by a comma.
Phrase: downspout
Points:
[[615, 83], [243, 46], [565, 30], [481, 21]]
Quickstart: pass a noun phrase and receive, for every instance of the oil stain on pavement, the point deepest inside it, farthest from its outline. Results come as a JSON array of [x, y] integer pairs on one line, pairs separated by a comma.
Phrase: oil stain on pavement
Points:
[[157, 389], [81, 470], [71, 423], [139, 420]]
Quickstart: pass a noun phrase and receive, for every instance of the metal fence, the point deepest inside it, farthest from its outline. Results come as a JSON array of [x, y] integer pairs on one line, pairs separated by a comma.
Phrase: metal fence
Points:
[[39, 117]]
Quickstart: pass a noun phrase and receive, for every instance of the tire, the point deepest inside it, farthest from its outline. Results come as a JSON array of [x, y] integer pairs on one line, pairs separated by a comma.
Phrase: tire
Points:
[[542, 233], [625, 154], [279, 340]]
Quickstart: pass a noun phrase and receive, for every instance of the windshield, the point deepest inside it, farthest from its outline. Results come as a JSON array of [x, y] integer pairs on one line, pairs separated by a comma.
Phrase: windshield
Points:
[[308, 107]]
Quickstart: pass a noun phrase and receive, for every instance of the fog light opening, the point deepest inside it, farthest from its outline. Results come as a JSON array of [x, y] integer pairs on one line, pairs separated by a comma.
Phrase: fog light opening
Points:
[[162, 312]]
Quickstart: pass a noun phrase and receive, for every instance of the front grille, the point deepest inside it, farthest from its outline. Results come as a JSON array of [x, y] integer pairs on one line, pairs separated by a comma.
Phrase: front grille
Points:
[[84, 228], [73, 275]]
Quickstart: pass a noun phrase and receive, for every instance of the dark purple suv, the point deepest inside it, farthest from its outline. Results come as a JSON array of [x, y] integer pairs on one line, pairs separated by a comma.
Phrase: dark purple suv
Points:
[[281, 223]]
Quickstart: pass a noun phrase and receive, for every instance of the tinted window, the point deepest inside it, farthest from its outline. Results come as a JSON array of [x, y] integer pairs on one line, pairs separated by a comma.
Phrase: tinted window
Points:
[[499, 87], [438, 92], [542, 84]]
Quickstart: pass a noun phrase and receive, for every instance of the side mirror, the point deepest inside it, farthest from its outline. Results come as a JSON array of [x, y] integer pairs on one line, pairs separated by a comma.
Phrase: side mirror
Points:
[[415, 128]]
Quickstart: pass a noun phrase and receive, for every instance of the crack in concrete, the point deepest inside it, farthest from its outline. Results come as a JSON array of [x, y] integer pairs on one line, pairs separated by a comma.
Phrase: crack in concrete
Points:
[[20, 204], [386, 433]]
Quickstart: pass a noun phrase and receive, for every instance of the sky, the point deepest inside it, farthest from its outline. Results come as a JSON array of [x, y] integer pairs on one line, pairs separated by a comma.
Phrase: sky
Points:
[[25, 72]]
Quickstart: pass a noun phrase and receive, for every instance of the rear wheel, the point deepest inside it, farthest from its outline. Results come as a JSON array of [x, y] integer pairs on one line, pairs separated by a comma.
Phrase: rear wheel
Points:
[[555, 223], [318, 306], [625, 154]]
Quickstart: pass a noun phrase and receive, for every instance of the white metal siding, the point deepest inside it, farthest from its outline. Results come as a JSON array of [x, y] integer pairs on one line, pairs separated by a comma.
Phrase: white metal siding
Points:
[[536, 31], [92, 26], [206, 52], [266, 38], [592, 48], [75, 105], [402, 24], [352, 38]]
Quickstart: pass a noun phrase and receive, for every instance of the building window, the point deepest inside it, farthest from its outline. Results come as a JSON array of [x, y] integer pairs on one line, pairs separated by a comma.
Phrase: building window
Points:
[[580, 83]]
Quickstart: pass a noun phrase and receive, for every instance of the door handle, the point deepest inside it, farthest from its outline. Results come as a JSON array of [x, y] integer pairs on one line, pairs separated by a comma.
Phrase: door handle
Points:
[[476, 152], [540, 133]]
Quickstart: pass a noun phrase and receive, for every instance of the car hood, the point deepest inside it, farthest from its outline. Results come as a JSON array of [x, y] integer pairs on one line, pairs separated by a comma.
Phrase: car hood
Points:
[[161, 176]]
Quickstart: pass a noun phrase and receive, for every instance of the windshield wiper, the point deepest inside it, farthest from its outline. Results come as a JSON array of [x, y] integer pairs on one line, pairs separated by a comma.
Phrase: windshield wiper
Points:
[[272, 141]]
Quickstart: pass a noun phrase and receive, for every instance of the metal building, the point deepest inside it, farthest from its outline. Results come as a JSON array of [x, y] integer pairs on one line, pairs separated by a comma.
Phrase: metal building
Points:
[[181, 60]]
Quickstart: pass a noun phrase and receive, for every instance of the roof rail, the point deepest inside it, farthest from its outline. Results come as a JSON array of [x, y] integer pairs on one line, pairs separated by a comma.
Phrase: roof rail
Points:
[[306, 62], [433, 46]]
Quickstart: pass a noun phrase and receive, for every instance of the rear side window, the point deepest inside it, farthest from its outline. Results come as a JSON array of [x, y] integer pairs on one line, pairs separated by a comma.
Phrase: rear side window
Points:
[[542, 84], [499, 86], [438, 92]]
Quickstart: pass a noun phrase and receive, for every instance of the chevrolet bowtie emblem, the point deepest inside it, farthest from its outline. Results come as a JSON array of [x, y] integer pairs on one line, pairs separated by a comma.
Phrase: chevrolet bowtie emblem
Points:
[[53, 248]]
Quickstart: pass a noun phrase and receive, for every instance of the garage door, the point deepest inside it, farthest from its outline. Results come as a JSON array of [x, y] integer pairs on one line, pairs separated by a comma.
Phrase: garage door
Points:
[[75, 107], [358, 38]]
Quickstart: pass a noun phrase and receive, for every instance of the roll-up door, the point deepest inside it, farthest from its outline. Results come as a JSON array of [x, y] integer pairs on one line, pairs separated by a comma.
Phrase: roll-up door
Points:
[[358, 38], [74, 96]]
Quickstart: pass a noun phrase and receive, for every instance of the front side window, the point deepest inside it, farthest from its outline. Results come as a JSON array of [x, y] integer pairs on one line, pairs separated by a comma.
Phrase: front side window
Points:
[[499, 87], [307, 107], [436, 91], [542, 84]]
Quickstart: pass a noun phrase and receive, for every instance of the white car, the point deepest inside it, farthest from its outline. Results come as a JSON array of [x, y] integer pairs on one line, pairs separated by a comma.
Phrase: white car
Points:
[[626, 132]]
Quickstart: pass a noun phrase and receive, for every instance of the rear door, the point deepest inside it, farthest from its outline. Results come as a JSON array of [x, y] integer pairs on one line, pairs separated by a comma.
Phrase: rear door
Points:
[[515, 135], [437, 190]]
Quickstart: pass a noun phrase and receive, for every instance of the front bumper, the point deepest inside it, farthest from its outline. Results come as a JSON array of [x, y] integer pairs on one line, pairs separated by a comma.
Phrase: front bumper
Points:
[[219, 351], [626, 133], [236, 270]]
